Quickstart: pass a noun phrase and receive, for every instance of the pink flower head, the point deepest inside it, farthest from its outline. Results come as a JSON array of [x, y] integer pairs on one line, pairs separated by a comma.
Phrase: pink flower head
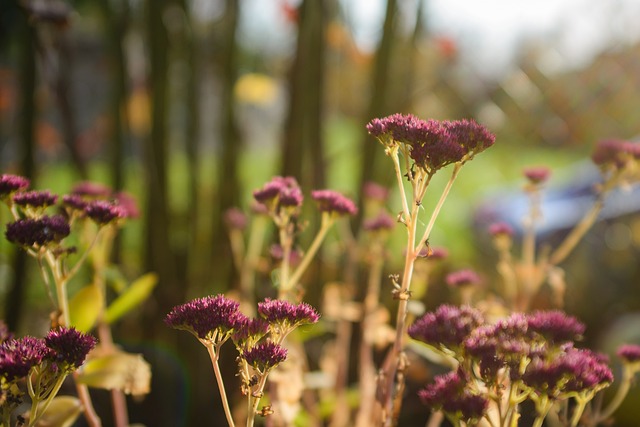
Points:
[[630, 353], [10, 184], [103, 212], [615, 152], [500, 229], [248, 331], [128, 203], [474, 137], [69, 347], [265, 356], [537, 175], [374, 191], [19, 355], [38, 232], [235, 219], [449, 393], [382, 222], [446, 327], [205, 317], [462, 278], [91, 190], [280, 192], [75, 202], [334, 202], [555, 326], [35, 199], [286, 313]]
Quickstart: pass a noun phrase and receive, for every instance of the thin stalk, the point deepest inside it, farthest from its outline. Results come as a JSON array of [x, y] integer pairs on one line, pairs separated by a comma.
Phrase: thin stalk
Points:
[[286, 242], [577, 233], [581, 403], [37, 411], [327, 221], [256, 396], [213, 354], [393, 153], [616, 401]]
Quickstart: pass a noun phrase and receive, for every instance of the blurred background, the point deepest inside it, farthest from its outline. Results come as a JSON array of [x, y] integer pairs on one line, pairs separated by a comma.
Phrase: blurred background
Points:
[[190, 105]]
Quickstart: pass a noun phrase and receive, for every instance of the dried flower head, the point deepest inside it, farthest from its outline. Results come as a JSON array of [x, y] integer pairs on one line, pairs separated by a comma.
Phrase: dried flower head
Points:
[[537, 175], [265, 356], [207, 317], [334, 202], [284, 313], [280, 192], [103, 212], [447, 327], [382, 222], [10, 184], [462, 278], [629, 353], [555, 326], [92, 190], [235, 219], [35, 199], [449, 394], [38, 232], [69, 347], [19, 355]]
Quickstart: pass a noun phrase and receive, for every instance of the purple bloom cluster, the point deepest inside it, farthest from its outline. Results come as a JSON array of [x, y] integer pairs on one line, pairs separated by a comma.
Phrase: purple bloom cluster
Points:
[[283, 312], [69, 347], [448, 393], [615, 152], [433, 144], [630, 353], [382, 222], [265, 356], [103, 212], [447, 327], [373, 191], [19, 355], [38, 232], [9, 184], [555, 326], [36, 199], [575, 370], [537, 175], [205, 316], [280, 192], [75, 202], [248, 331], [462, 278], [90, 189], [334, 202]]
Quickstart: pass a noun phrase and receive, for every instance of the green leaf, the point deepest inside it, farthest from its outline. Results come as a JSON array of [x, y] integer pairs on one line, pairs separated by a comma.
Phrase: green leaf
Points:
[[85, 306], [132, 297], [62, 412], [119, 370]]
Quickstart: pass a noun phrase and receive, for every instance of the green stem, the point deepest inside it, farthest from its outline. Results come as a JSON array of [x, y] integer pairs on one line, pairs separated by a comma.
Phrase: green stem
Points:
[[36, 409], [393, 153], [621, 393], [581, 403]]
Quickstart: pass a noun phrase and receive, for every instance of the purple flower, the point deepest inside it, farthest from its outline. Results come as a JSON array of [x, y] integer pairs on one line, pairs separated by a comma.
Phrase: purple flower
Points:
[[9, 184], [235, 219], [449, 394], [537, 175], [75, 202], [462, 278], [474, 137], [69, 347], [205, 316], [285, 313], [128, 203], [18, 356], [36, 199], [447, 327], [265, 356], [500, 229], [103, 212], [280, 192], [373, 191], [91, 190], [615, 152], [555, 326], [38, 232], [334, 202], [629, 353], [382, 222], [248, 331]]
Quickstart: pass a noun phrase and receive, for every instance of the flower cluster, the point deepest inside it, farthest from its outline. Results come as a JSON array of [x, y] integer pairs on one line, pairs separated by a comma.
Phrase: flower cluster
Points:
[[432, 144], [280, 192], [615, 153], [537, 175], [333, 202], [461, 278], [10, 184], [534, 352], [38, 232], [69, 347], [265, 356], [208, 318]]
